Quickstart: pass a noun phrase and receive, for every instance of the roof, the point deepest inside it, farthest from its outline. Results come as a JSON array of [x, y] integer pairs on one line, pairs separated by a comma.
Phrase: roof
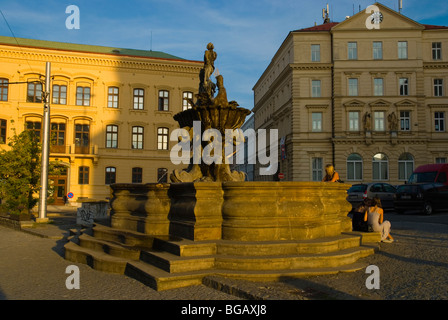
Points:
[[328, 26], [65, 46], [321, 27]]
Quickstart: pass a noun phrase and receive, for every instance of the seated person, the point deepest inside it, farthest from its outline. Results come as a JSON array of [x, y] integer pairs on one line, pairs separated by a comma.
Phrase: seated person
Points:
[[374, 216]]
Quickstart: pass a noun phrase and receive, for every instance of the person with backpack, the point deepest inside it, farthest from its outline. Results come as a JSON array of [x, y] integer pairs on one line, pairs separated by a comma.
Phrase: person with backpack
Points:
[[374, 216]]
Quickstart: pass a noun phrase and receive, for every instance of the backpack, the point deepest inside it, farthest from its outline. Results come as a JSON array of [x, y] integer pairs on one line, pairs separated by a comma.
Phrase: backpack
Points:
[[358, 223]]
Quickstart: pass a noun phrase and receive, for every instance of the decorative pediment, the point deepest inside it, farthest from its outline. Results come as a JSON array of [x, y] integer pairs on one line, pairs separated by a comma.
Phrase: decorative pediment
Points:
[[405, 103], [354, 104], [380, 103], [389, 20]]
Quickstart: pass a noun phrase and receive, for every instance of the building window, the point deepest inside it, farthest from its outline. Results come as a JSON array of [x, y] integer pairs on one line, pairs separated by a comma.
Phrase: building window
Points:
[[402, 50], [162, 175], [380, 166], [353, 121], [379, 120], [162, 139], [36, 127], [438, 87], [405, 166], [377, 50], [57, 134], [354, 167], [315, 88], [352, 87], [437, 51], [4, 89], [82, 138], [112, 136], [405, 120], [317, 169], [111, 175], [139, 99], [352, 51], [404, 86], [3, 124], [82, 96], [112, 97], [137, 137], [441, 160], [439, 121], [83, 177], [59, 94], [315, 52], [137, 175], [378, 86], [164, 98], [316, 121], [187, 98], [34, 92]]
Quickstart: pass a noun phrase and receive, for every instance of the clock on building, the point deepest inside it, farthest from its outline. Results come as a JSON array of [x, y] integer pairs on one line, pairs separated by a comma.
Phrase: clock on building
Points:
[[377, 17]]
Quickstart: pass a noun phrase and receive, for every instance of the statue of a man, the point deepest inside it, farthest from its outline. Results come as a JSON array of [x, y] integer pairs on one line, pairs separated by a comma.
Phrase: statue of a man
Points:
[[367, 121], [209, 62], [393, 122]]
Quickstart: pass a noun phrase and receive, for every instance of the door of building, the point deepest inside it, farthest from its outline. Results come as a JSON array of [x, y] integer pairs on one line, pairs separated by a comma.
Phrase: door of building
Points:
[[59, 182]]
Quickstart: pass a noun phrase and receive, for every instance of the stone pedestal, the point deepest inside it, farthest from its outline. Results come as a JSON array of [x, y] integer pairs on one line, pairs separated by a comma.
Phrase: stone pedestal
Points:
[[240, 211]]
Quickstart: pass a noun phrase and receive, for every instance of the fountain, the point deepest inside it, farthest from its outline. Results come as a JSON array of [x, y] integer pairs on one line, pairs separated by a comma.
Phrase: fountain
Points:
[[209, 221]]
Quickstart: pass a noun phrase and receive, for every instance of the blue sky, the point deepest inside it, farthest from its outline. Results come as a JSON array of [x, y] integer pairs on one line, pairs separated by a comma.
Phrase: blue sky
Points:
[[246, 33]]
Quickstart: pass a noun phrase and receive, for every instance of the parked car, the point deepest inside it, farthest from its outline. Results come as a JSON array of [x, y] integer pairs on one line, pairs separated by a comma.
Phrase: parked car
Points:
[[430, 173], [426, 197], [358, 192]]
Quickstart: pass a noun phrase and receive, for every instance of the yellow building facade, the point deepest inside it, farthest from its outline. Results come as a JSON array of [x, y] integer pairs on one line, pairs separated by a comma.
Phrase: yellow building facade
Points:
[[111, 110], [368, 96]]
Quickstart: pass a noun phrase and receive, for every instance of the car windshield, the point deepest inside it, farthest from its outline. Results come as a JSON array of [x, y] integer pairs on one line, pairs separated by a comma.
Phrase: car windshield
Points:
[[423, 177], [357, 188], [407, 189]]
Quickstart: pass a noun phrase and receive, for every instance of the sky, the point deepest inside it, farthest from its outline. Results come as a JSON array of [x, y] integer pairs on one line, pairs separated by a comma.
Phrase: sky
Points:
[[246, 33]]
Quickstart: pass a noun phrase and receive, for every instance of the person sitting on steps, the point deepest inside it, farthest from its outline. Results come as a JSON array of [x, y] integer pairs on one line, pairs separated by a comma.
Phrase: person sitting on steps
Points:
[[374, 216]]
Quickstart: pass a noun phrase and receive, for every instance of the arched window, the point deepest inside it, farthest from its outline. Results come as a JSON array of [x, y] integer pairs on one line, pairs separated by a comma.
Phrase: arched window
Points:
[[354, 167], [405, 166], [380, 167]]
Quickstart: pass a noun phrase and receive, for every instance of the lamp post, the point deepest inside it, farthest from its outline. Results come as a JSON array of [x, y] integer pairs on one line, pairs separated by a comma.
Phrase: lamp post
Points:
[[45, 149]]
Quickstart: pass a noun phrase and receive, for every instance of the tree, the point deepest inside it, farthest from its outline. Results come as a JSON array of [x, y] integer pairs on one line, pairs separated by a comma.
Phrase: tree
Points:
[[20, 170]]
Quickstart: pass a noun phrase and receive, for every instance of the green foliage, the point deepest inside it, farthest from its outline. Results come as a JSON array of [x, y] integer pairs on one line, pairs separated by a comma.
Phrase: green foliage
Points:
[[20, 169]]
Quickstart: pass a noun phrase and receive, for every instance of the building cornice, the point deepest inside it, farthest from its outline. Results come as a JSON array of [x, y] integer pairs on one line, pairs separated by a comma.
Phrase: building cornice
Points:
[[311, 66], [92, 59]]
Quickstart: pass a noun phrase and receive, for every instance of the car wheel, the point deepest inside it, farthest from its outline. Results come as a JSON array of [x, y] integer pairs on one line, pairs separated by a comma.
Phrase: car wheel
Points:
[[427, 208]]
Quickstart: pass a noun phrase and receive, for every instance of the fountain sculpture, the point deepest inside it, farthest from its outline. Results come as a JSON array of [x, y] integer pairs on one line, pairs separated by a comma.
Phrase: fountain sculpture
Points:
[[209, 221], [213, 113]]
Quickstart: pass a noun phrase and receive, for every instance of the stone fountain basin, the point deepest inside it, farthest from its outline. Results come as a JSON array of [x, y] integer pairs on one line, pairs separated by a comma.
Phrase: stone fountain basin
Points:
[[240, 211]]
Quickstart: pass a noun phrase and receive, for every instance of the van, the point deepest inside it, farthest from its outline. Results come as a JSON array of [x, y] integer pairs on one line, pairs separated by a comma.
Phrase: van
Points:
[[430, 173]]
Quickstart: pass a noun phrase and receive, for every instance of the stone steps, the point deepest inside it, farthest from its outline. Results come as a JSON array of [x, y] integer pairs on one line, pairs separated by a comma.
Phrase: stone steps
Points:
[[162, 280], [187, 248], [168, 262], [175, 264]]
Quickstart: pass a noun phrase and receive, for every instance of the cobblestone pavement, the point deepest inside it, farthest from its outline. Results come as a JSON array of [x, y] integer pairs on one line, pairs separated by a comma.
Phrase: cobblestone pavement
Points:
[[414, 267]]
